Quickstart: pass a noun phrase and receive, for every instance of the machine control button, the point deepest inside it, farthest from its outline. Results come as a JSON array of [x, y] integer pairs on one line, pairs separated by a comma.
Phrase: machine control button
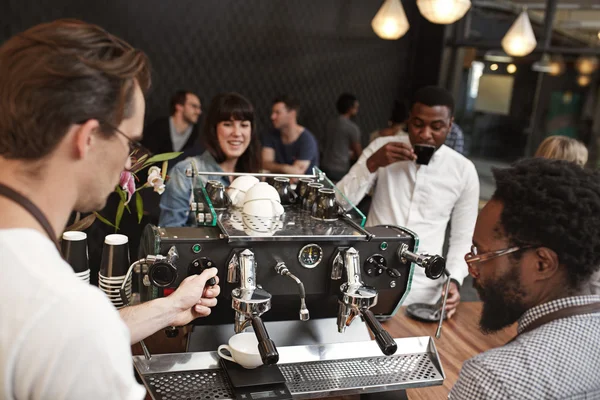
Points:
[[197, 248], [200, 264], [375, 265], [383, 246]]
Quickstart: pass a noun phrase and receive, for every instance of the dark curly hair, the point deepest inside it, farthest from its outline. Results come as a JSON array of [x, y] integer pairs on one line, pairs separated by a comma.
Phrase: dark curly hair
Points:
[[553, 204]]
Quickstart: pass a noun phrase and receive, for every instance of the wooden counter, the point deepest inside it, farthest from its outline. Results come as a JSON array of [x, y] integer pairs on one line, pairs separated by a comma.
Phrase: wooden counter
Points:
[[461, 340]]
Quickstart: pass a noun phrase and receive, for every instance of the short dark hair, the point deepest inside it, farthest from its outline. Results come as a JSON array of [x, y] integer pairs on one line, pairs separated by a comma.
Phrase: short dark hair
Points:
[[290, 102], [179, 98], [345, 102], [432, 96], [223, 107], [61, 73], [553, 204]]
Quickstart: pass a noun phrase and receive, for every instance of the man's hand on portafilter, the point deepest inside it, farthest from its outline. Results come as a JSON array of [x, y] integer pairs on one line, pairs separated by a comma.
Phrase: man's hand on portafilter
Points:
[[453, 299], [193, 299], [390, 153]]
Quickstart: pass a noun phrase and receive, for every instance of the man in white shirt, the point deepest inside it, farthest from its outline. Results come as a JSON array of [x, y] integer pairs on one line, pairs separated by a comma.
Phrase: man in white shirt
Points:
[[71, 112], [423, 198]]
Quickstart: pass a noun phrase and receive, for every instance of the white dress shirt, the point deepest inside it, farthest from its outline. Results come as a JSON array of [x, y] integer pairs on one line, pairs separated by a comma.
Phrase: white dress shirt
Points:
[[422, 198]]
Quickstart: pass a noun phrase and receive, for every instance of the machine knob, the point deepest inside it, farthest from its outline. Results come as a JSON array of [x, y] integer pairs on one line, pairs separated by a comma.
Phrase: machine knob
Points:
[[434, 266], [162, 274], [377, 264], [200, 264]]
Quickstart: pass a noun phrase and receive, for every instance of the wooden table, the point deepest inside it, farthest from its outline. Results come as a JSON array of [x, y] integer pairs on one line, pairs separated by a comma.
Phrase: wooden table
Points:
[[461, 340]]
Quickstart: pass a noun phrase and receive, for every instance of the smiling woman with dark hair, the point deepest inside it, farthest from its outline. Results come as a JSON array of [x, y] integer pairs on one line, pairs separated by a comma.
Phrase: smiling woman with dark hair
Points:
[[231, 146]]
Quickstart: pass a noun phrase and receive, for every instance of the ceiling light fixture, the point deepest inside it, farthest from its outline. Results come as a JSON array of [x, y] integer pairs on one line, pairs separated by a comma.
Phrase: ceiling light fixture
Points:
[[390, 22], [520, 40], [586, 65], [583, 80], [443, 11]]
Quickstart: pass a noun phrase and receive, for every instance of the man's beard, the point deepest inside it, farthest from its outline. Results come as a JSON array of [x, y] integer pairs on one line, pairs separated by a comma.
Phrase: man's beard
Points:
[[502, 302], [189, 120]]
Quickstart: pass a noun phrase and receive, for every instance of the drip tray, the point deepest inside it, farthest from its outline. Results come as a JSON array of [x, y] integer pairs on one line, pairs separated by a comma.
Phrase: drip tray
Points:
[[310, 371]]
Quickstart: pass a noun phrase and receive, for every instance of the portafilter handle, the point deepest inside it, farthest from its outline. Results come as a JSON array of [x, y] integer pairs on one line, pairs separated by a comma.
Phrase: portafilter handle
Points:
[[384, 340], [434, 265], [266, 346]]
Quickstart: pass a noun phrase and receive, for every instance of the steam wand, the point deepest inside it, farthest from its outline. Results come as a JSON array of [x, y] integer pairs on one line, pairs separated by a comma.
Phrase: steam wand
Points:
[[283, 270]]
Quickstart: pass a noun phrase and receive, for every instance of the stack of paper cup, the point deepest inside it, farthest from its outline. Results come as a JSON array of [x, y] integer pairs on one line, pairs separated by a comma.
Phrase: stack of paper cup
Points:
[[75, 251], [113, 269]]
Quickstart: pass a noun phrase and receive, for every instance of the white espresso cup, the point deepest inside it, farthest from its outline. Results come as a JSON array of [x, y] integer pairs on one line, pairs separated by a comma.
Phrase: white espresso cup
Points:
[[244, 350]]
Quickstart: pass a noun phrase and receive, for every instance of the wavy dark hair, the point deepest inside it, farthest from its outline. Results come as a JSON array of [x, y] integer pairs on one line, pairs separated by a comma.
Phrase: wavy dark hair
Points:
[[224, 107], [553, 204], [61, 73]]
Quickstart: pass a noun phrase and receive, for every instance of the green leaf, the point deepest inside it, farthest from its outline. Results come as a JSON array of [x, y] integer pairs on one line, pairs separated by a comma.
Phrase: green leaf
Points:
[[121, 193], [119, 215], [161, 157], [104, 220], [139, 204]]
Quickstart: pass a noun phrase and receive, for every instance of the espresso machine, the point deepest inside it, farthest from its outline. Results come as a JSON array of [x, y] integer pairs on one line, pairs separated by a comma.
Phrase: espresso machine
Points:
[[313, 290]]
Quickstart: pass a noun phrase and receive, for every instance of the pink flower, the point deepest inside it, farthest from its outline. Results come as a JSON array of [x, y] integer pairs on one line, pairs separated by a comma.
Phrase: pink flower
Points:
[[127, 183]]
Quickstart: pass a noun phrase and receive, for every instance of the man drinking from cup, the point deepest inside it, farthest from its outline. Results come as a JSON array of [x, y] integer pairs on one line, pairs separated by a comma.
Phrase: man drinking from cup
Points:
[[71, 113], [423, 185]]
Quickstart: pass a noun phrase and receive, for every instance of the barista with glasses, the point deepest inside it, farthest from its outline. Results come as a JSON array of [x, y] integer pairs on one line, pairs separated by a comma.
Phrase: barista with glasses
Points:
[[71, 111]]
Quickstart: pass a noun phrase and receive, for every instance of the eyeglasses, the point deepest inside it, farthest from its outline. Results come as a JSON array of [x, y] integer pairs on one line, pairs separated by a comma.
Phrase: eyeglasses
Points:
[[137, 151], [474, 257]]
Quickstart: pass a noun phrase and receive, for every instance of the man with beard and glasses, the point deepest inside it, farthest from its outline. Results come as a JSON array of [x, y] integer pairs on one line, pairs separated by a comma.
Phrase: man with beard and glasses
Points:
[[535, 246]]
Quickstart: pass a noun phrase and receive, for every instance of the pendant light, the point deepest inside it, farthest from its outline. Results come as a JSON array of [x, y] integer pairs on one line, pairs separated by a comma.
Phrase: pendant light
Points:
[[586, 65], [443, 11], [390, 22], [520, 39], [583, 80]]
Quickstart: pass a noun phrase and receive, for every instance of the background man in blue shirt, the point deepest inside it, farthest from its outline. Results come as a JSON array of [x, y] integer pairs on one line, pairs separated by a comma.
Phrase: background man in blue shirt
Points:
[[289, 148]]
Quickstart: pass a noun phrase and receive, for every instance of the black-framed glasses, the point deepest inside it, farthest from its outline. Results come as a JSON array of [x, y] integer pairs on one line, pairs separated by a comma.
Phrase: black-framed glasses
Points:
[[137, 151], [474, 256]]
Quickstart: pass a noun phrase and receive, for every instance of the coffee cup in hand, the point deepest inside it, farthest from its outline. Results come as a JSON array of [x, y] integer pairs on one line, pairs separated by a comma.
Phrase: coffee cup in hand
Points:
[[424, 153], [243, 348]]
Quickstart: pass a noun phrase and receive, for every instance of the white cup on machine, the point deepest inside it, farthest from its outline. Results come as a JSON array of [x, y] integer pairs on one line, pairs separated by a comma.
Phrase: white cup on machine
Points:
[[243, 348]]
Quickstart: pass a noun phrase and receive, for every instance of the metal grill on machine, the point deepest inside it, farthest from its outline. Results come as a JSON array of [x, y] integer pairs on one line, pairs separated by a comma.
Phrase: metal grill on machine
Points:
[[290, 271]]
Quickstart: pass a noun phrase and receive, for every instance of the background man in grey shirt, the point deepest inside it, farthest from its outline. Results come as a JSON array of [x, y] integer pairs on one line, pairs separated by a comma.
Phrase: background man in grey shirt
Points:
[[342, 138]]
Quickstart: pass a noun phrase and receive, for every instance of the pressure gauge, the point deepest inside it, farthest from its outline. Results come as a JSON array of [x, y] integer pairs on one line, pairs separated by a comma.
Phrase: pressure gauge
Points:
[[310, 255]]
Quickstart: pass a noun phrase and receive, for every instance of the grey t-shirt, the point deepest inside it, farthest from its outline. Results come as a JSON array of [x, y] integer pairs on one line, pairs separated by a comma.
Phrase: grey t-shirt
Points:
[[339, 134]]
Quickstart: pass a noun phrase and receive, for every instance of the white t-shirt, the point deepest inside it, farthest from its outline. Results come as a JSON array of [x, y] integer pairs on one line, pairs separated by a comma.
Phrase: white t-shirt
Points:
[[60, 338], [422, 198]]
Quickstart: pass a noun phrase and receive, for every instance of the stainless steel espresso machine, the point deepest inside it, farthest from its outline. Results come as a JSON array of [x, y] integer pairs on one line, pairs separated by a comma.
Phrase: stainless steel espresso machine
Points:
[[312, 289]]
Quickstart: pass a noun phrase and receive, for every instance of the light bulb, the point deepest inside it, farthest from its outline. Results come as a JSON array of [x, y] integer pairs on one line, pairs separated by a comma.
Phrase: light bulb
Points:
[[511, 68], [443, 11], [520, 40], [390, 22]]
